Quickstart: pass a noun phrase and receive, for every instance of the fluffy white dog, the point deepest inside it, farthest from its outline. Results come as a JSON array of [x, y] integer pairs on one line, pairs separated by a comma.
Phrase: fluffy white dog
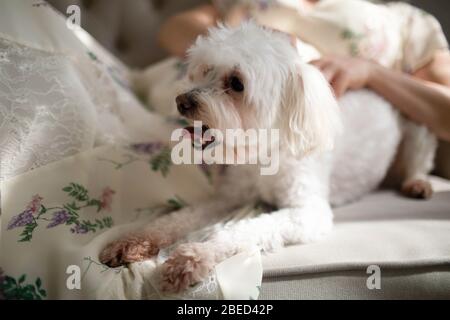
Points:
[[250, 77]]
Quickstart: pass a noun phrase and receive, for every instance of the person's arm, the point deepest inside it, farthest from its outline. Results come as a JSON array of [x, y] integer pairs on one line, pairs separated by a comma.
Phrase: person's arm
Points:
[[179, 32], [423, 97]]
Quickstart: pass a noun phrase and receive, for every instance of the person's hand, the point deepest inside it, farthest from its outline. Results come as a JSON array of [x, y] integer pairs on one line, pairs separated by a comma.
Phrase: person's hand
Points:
[[345, 73], [235, 15]]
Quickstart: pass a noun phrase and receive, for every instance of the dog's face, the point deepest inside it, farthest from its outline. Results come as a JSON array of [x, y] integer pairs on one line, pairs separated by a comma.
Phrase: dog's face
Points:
[[252, 78]]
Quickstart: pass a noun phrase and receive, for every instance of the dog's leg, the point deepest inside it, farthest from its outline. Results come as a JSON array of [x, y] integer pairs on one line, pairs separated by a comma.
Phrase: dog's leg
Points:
[[415, 160], [192, 262], [162, 232]]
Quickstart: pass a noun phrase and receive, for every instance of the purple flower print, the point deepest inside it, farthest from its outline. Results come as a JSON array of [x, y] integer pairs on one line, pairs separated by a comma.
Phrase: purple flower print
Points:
[[20, 220], [263, 5], [79, 229], [59, 217], [36, 214], [147, 148], [27, 216]]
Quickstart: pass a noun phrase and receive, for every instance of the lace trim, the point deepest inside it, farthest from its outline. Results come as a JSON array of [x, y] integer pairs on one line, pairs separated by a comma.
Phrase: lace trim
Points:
[[54, 105]]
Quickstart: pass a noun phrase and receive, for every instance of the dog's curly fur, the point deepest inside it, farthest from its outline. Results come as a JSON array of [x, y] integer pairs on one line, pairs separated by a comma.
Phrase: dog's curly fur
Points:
[[281, 91]]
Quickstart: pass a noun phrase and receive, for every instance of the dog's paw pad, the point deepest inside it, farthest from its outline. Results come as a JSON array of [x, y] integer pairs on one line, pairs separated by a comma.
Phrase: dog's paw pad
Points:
[[187, 266], [129, 249], [417, 189]]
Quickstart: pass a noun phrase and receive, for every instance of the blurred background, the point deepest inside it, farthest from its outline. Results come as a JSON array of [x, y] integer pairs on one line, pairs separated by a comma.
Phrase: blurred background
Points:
[[128, 28]]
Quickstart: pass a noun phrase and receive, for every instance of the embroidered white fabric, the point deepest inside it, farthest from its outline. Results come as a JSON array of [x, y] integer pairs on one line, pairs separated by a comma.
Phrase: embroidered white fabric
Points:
[[61, 94], [207, 289], [54, 105], [44, 115]]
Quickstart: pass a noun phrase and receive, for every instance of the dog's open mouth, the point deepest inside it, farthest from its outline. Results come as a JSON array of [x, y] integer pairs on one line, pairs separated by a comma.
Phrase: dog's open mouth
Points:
[[200, 139]]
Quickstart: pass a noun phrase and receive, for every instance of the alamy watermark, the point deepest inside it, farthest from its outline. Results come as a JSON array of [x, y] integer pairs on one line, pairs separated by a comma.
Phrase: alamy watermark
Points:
[[203, 145], [374, 280], [73, 17], [73, 281]]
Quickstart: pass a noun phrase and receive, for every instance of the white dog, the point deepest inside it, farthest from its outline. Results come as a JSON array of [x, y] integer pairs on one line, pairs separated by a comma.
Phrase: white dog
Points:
[[251, 77]]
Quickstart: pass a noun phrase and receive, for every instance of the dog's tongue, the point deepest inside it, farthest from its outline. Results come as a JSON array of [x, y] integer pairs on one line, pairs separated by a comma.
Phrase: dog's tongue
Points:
[[198, 138]]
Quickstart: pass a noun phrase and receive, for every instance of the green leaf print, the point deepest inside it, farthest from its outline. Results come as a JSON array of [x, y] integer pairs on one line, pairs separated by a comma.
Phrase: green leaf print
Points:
[[12, 289], [162, 161], [67, 214], [176, 203]]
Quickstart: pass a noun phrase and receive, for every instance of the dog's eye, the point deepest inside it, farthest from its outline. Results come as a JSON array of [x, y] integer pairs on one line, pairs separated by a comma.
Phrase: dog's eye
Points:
[[236, 84]]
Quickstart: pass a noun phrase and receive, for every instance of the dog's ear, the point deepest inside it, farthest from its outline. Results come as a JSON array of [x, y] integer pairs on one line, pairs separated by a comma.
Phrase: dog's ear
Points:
[[310, 117]]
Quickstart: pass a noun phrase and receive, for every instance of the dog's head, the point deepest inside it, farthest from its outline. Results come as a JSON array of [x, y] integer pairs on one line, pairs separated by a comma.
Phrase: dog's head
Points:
[[251, 77]]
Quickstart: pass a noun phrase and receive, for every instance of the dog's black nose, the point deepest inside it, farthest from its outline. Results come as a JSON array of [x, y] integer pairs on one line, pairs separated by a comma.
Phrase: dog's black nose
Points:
[[186, 103]]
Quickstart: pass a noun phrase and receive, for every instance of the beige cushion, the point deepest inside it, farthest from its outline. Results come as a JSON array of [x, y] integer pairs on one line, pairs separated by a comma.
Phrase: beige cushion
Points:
[[416, 283], [402, 236], [382, 228]]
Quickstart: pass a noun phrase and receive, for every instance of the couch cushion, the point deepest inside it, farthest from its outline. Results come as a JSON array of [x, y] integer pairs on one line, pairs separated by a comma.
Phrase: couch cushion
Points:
[[418, 283], [383, 228]]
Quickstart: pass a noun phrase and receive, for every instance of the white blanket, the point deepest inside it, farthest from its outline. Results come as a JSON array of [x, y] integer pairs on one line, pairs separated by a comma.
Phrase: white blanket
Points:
[[57, 218], [67, 188]]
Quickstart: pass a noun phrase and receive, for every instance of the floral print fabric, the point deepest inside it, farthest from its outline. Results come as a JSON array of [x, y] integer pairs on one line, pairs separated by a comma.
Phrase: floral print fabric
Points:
[[66, 214], [396, 35], [83, 161], [62, 215]]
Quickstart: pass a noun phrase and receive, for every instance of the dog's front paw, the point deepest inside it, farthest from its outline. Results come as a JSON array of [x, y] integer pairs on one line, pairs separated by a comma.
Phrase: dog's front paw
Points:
[[132, 248], [417, 189], [189, 264]]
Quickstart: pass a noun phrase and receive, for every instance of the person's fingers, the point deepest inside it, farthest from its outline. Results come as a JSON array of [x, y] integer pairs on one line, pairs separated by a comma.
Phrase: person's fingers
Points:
[[235, 16], [320, 63], [329, 71], [340, 84]]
